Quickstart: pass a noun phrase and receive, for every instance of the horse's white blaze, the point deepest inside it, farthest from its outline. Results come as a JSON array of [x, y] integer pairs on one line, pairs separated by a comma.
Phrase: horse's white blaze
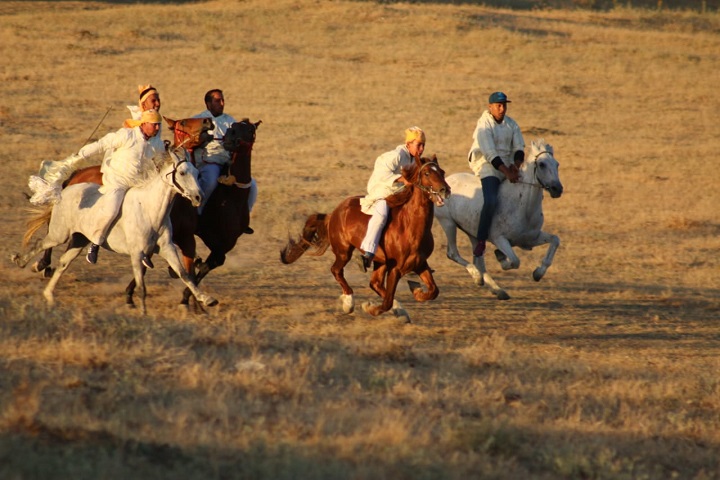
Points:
[[517, 222]]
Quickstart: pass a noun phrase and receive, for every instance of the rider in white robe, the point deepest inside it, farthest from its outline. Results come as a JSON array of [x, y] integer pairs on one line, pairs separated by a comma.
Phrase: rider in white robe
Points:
[[214, 156], [128, 164], [386, 180]]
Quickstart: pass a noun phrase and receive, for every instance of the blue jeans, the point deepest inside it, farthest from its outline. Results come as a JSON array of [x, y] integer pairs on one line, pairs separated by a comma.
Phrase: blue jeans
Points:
[[490, 189]]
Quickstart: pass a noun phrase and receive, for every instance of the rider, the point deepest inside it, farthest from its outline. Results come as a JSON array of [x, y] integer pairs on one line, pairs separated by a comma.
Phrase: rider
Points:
[[385, 180], [214, 156], [128, 164], [496, 153], [149, 100]]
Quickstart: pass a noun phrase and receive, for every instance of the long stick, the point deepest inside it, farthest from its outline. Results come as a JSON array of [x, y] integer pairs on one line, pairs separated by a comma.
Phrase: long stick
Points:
[[97, 126]]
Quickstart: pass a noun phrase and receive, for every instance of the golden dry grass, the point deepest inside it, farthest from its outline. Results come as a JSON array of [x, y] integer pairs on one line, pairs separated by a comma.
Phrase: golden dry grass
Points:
[[607, 368]]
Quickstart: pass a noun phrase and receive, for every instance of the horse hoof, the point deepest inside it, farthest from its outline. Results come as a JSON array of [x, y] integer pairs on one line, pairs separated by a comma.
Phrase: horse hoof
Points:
[[15, 258], [210, 302], [172, 273], [537, 275], [348, 303], [502, 295], [370, 309]]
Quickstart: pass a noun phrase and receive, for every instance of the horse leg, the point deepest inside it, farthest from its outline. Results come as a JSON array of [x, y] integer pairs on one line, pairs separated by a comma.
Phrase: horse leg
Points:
[[75, 247], [129, 290], [22, 259], [169, 252], [554, 242], [213, 261], [425, 274], [450, 228], [393, 277], [488, 280], [139, 279], [43, 265], [377, 280], [505, 254], [338, 270]]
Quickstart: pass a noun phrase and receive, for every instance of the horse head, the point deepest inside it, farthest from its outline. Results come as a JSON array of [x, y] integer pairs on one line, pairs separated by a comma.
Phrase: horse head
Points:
[[241, 135], [191, 133], [182, 176], [427, 175], [545, 167]]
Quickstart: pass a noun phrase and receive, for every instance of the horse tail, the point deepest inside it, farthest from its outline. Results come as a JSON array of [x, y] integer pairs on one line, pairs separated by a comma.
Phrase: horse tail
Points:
[[314, 234], [41, 217]]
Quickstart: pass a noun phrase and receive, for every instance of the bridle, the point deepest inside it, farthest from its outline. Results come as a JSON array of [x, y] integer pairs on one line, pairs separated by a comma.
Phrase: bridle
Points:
[[429, 190], [539, 183], [175, 183], [194, 138]]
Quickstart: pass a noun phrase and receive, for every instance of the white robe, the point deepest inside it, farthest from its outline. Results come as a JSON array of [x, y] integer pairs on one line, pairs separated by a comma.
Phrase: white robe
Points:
[[128, 164], [492, 139], [214, 152], [383, 181]]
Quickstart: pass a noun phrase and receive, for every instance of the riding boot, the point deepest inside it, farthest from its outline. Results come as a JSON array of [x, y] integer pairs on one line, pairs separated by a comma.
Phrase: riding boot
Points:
[[365, 261], [92, 253], [479, 250]]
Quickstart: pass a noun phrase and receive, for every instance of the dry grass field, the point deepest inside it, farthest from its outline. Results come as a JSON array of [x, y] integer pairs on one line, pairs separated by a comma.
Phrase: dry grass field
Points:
[[609, 368]]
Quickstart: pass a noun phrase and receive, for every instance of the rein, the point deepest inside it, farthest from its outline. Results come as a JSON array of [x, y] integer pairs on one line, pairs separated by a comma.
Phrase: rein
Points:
[[174, 181], [229, 179], [428, 190], [539, 184]]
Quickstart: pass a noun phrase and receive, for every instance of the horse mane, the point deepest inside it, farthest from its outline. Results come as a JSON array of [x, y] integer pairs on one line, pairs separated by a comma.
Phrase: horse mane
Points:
[[540, 145], [410, 173]]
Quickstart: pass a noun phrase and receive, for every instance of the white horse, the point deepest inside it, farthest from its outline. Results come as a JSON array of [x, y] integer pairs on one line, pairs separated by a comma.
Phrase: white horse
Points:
[[142, 227], [518, 219]]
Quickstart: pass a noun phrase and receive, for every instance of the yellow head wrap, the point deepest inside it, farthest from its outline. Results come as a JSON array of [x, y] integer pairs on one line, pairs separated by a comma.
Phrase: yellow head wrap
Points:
[[414, 133], [145, 91], [148, 116]]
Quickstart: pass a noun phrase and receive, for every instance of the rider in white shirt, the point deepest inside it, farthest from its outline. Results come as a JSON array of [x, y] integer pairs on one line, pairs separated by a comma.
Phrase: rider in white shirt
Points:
[[497, 152], [386, 180], [127, 163], [214, 156]]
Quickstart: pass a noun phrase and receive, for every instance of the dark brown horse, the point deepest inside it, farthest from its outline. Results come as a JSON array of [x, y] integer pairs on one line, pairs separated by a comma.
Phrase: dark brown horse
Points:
[[405, 246], [225, 216]]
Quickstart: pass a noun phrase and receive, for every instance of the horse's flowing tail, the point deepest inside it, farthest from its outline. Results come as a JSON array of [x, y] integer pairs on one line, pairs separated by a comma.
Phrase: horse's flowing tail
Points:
[[314, 234], [42, 217]]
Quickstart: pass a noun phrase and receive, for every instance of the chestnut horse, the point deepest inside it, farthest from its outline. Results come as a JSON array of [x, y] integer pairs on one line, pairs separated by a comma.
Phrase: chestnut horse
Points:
[[188, 133], [405, 246]]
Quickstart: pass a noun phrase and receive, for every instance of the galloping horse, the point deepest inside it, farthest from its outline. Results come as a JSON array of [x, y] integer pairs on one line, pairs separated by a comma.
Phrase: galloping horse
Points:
[[188, 133], [405, 246], [142, 227], [517, 222], [225, 216]]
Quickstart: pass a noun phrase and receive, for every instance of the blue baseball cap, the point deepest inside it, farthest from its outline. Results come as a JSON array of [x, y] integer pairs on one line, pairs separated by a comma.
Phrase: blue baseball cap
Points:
[[498, 97]]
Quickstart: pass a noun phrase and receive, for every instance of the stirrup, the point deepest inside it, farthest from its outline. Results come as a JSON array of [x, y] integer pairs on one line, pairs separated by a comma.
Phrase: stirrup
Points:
[[365, 261]]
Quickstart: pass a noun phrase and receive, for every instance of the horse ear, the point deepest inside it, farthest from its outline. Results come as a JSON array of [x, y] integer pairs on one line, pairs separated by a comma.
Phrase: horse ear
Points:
[[257, 124], [171, 123], [434, 159]]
